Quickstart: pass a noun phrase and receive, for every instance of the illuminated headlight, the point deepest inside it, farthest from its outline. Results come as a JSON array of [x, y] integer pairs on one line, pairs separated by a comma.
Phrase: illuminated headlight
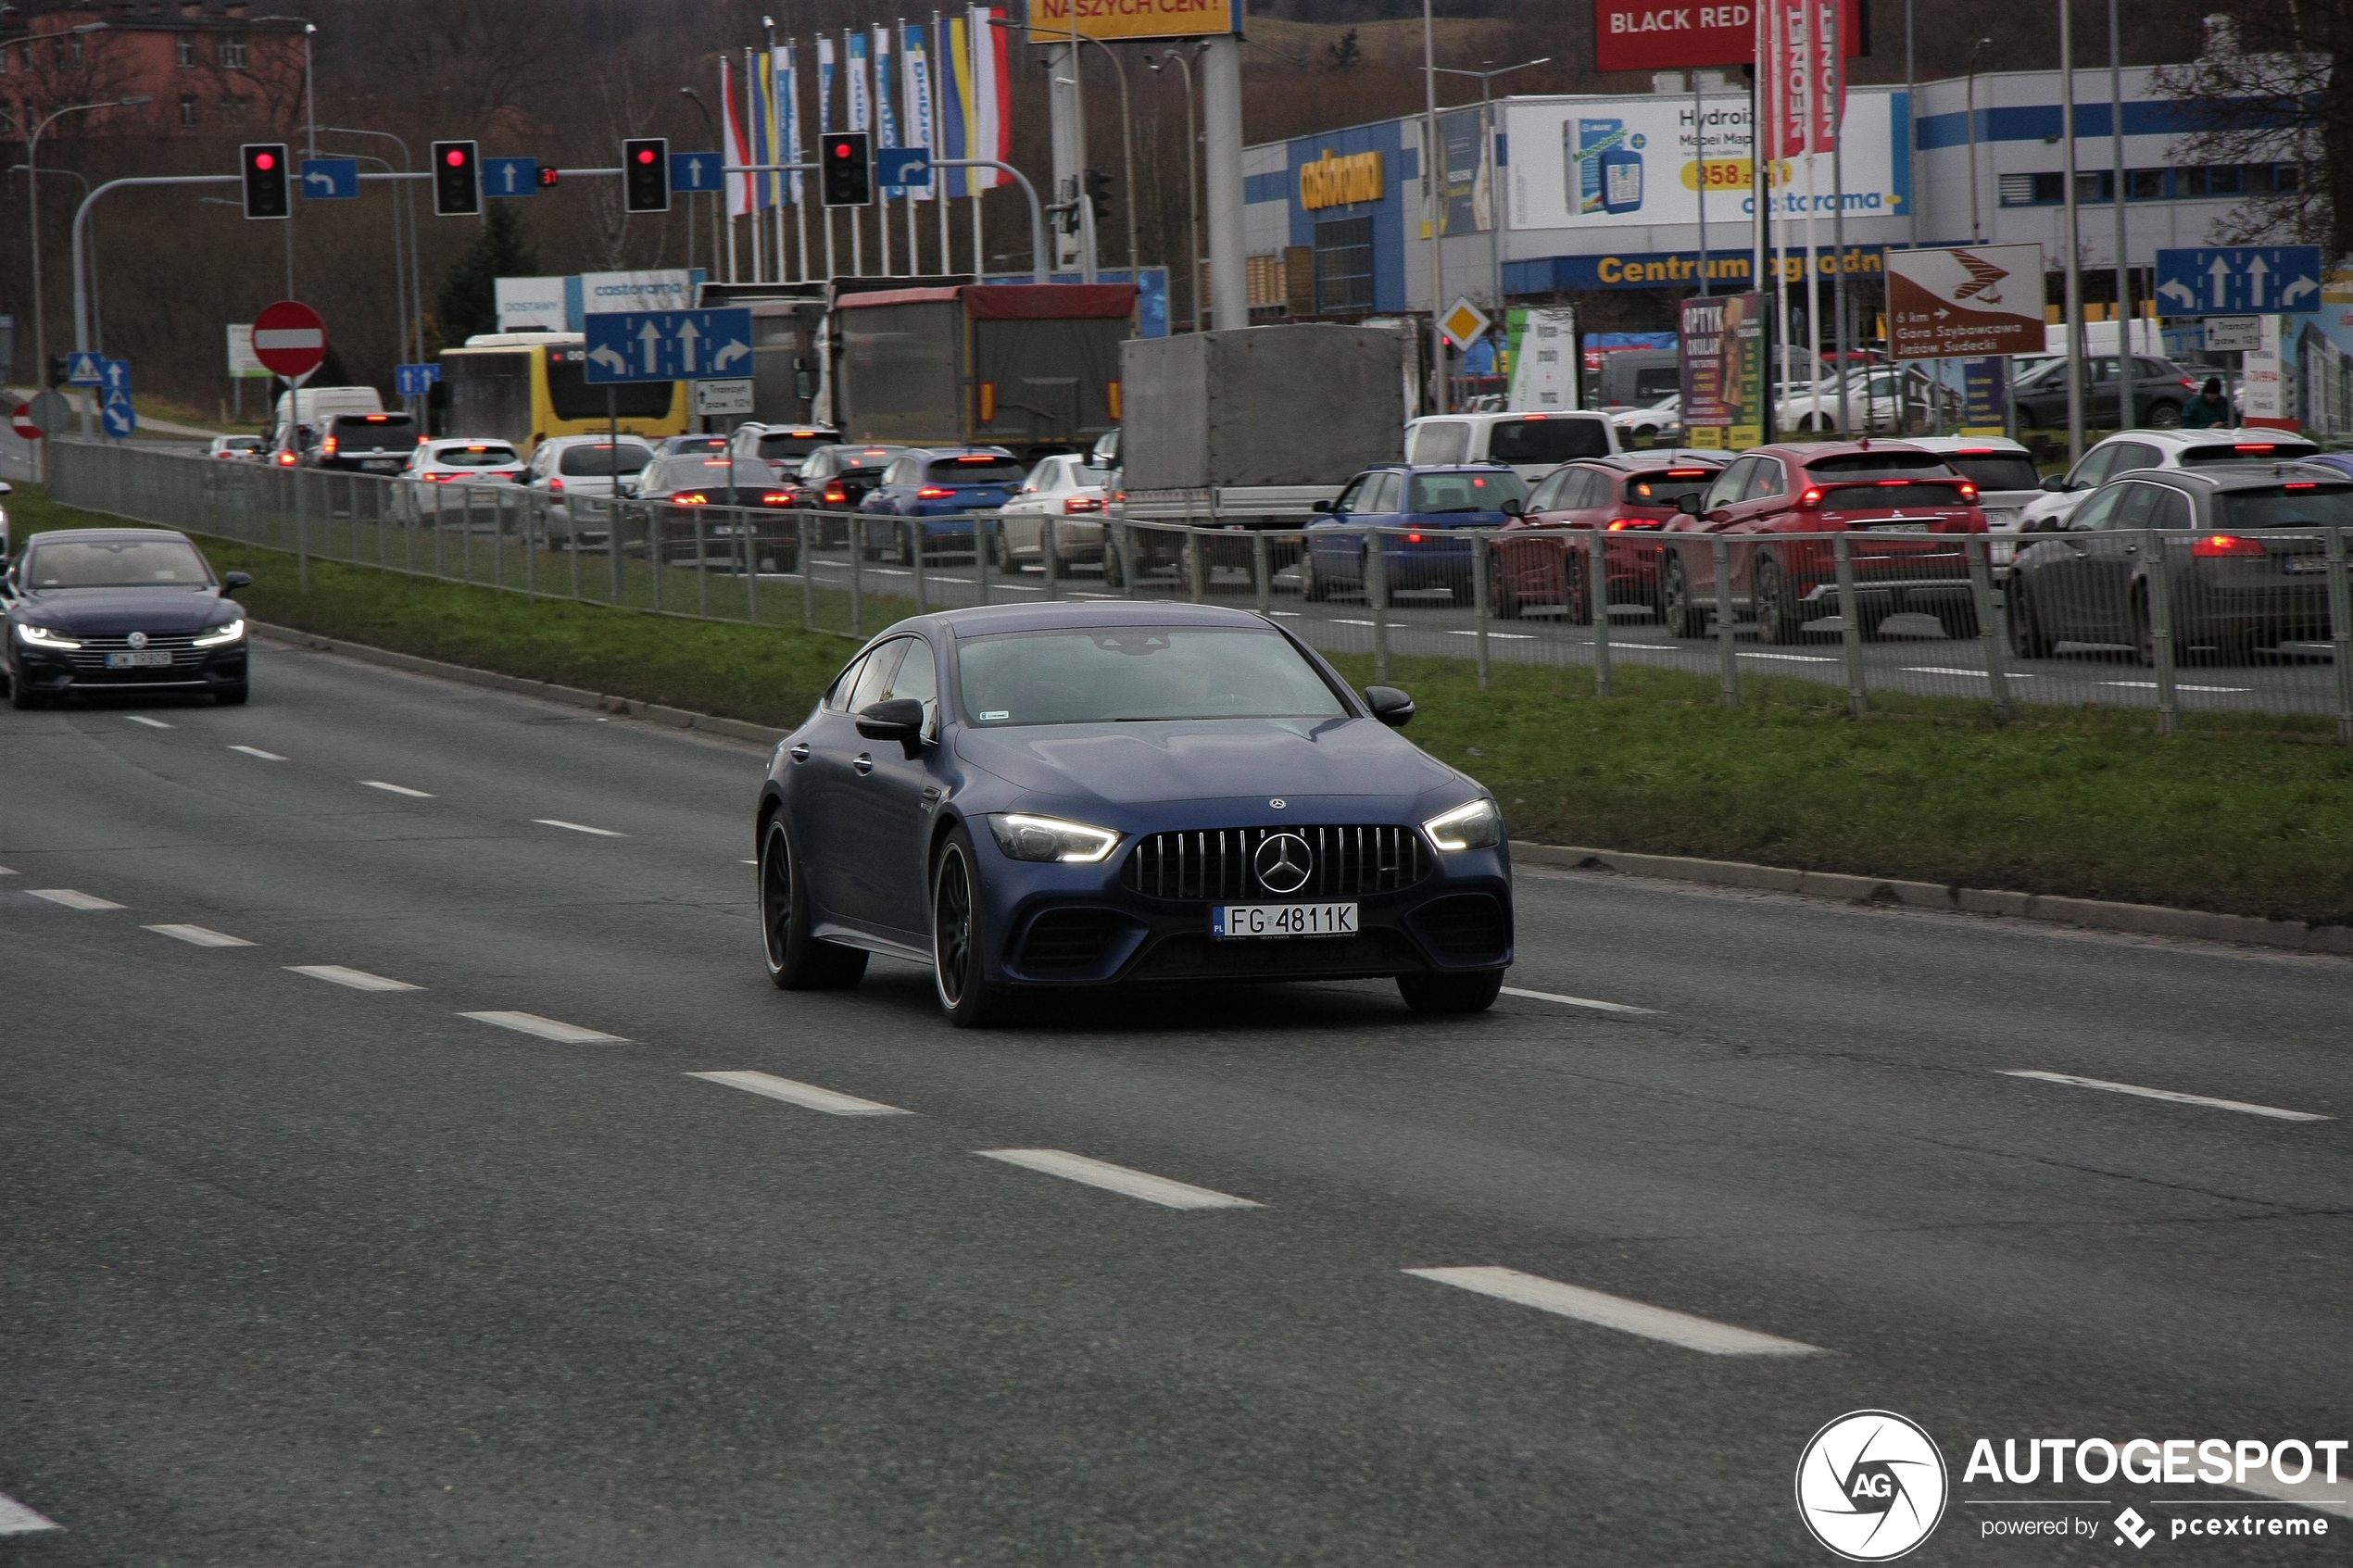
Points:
[[1051, 838], [41, 637], [1476, 826], [221, 635]]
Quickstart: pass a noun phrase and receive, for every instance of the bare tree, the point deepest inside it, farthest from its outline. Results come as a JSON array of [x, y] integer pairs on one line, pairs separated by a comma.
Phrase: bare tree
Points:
[[2275, 86]]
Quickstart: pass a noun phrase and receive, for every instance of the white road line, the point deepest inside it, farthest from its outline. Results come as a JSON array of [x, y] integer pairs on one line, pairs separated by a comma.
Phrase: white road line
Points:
[[808, 1095], [747, 862], [1116, 1178], [257, 752], [1499, 636], [577, 827], [72, 899], [2272, 1110], [151, 724], [198, 935], [2151, 686], [1793, 658], [6, 872], [545, 1028], [1574, 1002], [396, 789], [1973, 674], [18, 1520], [357, 979], [2314, 1492], [1616, 1311]]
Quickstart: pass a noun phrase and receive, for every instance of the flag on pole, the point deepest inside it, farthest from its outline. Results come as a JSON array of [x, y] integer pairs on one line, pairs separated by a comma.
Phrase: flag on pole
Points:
[[956, 103], [825, 85], [760, 90], [915, 93], [1803, 76], [738, 186], [992, 96], [886, 124], [861, 107], [788, 113]]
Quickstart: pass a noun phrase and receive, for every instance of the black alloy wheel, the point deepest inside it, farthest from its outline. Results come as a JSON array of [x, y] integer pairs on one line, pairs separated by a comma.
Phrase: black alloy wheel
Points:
[[1778, 617], [1576, 594], [1502, 601], [1683, 616], [1451, 993], [956, 938], [2029, 637], [797, 962]]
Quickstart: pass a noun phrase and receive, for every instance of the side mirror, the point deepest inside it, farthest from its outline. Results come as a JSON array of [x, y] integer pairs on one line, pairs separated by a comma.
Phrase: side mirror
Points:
[[1390, 705], [2056, 483], [1689, 505], [232, 582], [1321, 507], [7, 488], [1513, 507], [898, 718]]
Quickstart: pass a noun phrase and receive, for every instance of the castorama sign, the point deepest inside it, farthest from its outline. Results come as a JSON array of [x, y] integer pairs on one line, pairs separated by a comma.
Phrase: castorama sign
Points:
[[557, 305]]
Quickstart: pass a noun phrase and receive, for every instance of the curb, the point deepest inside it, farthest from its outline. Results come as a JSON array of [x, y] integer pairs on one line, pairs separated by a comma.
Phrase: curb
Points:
[[547, 691], [2096, 914]]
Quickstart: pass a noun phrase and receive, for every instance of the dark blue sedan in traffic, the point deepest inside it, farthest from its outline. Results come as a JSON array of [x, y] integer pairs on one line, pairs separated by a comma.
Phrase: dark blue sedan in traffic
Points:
[[1043, 798], [121, 609], [1420, 512], [938, 489]]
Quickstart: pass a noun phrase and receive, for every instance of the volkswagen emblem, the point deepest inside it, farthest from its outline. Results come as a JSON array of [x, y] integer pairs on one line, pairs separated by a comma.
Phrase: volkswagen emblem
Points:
[[1283, 862], [1278, 803], [138, 639]]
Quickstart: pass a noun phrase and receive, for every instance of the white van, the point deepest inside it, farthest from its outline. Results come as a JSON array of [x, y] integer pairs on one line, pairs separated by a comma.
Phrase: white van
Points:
[[1534, 445], [320, 404]]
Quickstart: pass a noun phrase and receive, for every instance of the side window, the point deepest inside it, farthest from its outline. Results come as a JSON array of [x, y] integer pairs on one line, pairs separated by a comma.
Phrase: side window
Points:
[[1442, 441], [1547, 495], [1729, 484], [1352, 498], [2130, 455], [2133, 511], [874, 680], [1381, 494], [1766, 480], [918, 677], [2096, 466], [2172, 510], [837, 695], [2098, 511]]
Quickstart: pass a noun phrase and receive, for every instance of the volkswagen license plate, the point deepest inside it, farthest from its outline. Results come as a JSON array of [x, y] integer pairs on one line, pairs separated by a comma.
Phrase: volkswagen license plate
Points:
[[1282, 919], [140, 659], [381, 465]]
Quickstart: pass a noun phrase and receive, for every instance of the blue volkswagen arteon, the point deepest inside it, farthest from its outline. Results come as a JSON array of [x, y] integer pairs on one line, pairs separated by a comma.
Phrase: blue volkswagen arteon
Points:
[[1035, 798], [121, 609]]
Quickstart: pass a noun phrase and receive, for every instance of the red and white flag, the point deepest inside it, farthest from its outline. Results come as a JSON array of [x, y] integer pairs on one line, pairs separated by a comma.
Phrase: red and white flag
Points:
[[738, 148], [992, 95], [1802, 48]]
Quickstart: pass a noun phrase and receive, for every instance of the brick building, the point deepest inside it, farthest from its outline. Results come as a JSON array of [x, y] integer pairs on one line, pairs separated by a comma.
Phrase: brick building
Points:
[[209, 67]]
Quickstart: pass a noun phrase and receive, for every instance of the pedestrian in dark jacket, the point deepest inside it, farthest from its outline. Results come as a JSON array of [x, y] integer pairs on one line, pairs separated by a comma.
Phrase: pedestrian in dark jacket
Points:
[[2209, 409]]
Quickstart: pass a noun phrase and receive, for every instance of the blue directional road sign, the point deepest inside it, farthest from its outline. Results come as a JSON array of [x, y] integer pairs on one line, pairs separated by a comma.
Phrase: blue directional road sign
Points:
[[414, 380], [510, 176], [896, 167], [2238, 279], [115, 376], [329, 179], [668, 346], [114, 407], [696, 172], [85, 370], [117, 416]]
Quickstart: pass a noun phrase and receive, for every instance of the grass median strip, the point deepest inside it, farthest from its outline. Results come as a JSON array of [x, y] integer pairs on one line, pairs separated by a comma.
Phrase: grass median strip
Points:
[[2236, 814]]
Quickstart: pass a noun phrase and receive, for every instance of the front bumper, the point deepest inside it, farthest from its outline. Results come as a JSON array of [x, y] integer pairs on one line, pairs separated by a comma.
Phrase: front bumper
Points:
[[55, 672]]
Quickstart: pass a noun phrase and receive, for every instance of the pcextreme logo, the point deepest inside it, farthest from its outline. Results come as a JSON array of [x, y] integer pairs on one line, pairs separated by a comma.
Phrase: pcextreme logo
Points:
[[1871, 1485]]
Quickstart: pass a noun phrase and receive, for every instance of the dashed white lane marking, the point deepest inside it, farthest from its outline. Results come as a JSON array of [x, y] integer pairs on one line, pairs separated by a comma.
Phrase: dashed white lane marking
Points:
[[257, 752], [357, 979], [1117, 1178], [2313, 1492], [577, 827], [18, 1520], [747, 862], [1972, 674], [396, 789], [72, 899], [2151, 686], [1791, 657], [198, 935], [1575, 1001], [545, 1028], [1617, 1313], [6, 872], [1498, 636], [2178, 1098], [151, 724], [808, 1095]]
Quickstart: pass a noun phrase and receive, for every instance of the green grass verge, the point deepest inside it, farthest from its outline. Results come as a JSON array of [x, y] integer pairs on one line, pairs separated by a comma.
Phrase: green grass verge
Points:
[[2242, 813]]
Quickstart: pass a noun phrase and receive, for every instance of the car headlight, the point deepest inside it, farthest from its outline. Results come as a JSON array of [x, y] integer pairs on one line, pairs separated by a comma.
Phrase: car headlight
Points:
[[1476, 826], [42, 637], [1051, 838], [220, 636]]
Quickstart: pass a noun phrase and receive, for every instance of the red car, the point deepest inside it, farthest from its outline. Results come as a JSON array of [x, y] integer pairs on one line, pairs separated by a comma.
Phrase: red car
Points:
[[1537, 560], [1904, 504]]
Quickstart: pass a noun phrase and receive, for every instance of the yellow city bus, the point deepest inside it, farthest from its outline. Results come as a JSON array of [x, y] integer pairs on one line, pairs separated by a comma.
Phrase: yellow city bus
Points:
[[525, 387]]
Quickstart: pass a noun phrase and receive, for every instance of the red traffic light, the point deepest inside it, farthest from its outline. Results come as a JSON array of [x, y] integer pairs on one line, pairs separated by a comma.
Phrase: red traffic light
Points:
[[644, 155], [842, 149], [456, 158], [264, 160]]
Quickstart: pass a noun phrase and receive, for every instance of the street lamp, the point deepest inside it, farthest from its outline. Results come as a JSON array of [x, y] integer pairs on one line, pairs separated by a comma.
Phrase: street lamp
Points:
[[1976, 229], [1127, 130], [33, 194], [1495, 195], [1192, 176]]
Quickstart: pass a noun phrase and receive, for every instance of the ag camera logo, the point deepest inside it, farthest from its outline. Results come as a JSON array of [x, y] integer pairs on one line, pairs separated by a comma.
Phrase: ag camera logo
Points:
[[1871, 1485]]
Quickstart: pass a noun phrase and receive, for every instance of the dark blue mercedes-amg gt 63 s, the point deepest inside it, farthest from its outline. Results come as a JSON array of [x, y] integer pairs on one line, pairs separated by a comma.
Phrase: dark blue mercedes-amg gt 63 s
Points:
[[1047, 797]]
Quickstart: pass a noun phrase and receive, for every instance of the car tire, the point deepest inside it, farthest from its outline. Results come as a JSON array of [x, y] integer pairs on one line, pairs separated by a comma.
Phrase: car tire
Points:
[[797, 962], [1114, 575], [1502, 602], [2029, 637], [958, 936], [1780, 620], [233, 697], [2143, 633], [1577, 595], [1311, 587], [1451, 993], [1000, 555], [1683, 615], [2164, 415]]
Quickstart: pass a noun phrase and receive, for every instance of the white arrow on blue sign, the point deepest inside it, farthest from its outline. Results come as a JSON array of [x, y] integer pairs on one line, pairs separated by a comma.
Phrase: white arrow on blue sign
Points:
[[329, 179], [696, 172], [415, 380], [898, 167], [116, 415], [2238, 279], [85, 370], [510, 176], [115, 376], [626, 345]]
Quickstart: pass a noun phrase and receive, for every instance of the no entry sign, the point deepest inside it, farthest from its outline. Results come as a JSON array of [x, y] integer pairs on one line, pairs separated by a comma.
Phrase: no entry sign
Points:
[[21, 422], [289, 338]]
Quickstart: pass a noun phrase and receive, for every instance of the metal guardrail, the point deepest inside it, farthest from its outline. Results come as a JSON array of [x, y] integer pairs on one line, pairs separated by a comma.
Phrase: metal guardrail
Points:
[[2153, 620]]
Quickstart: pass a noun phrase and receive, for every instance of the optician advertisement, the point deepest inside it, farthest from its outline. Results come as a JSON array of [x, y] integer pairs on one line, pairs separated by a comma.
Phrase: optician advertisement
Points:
[[1583, 163]]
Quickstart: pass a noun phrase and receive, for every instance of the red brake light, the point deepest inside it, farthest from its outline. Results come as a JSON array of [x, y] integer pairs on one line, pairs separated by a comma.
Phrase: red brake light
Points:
[[933, 492], [1080, 504], [327, 447], [835, 494], [1413, 538], [556, 484], [691, 498], [376, 419], [776, 498], [1687, 473], [2265, 447], [2227, 545], [2304, 484], [1968, 491], [1811, 499]]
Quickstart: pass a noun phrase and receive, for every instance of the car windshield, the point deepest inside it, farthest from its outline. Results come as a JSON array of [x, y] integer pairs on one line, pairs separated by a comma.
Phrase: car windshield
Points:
[[1666, 489], [473, 456], [1998, 471], [1465, 492], [1882, 463], [698, 444], [1546, 441], [976, 469], [1123, 674], [374, 430], [597, 460], [2289, 506], [774, 445], [116, 563], [2247, 451], [240, 444]]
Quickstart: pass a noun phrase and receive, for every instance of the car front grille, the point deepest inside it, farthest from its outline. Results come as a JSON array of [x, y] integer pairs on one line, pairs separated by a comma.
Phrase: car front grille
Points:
[[185, 654], [1347, 861]]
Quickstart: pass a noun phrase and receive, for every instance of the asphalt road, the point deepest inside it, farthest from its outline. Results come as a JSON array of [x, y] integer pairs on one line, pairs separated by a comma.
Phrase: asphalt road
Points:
[[296, 1273]]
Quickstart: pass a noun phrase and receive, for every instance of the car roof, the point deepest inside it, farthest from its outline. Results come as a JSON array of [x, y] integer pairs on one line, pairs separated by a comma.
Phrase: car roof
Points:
[[1491, 466], [2228, 435], [1073, 614], [961, 451], [1656, 458], [585, 440], [1810, 451], [2001, 444], [106, 535], [1492, 416], [2238, 475]]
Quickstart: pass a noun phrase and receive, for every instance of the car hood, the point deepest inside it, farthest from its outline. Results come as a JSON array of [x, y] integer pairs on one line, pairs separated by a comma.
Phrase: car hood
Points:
[[111, 611], [1299, 760]]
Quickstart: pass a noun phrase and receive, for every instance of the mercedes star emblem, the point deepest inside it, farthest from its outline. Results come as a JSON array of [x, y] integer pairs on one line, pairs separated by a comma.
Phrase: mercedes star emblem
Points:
[[138, 639], [1283, 862]]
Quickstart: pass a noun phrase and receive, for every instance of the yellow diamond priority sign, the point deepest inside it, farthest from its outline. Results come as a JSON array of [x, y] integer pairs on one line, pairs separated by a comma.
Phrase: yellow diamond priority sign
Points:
[[1463, 323]]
